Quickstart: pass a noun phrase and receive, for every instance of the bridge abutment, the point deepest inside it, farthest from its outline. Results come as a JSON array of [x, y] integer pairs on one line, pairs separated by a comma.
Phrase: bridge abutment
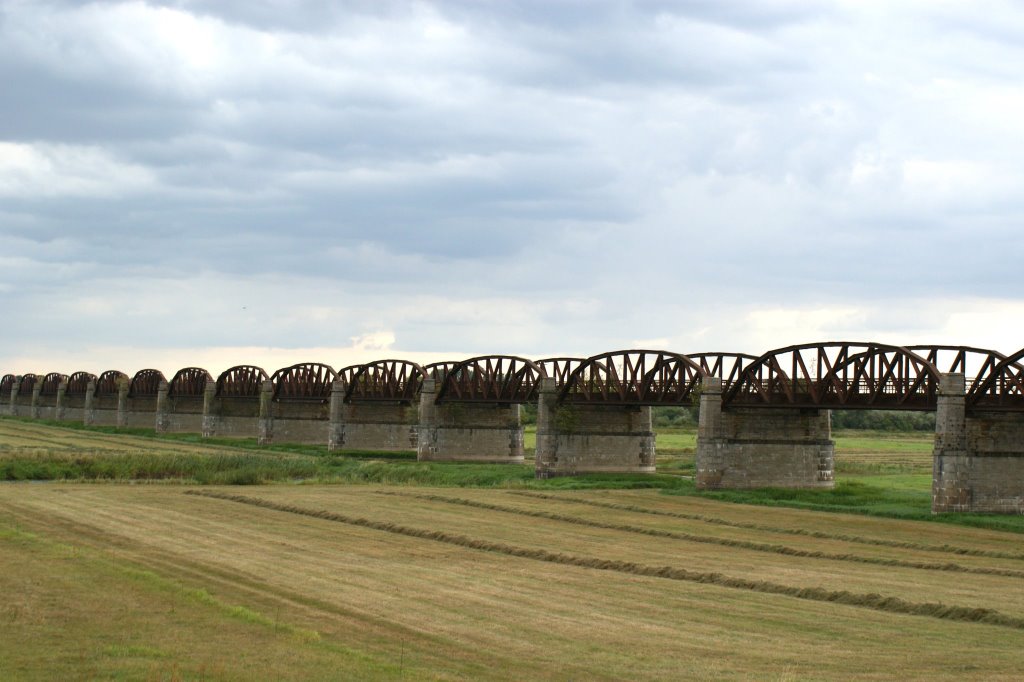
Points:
[[578, 438], [752, 447], [467, 431], [978, 463]]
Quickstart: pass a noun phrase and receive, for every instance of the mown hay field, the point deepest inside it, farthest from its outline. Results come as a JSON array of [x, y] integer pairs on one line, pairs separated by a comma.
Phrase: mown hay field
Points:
[[311, 581]]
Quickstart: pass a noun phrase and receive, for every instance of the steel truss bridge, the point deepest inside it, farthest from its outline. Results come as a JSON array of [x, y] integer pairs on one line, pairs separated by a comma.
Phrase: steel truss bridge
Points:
[[828, 375]]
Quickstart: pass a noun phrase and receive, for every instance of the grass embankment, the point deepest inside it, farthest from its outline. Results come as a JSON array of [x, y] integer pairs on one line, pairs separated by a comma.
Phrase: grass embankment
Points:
[[880, 474], [31, 450], [317, 582]]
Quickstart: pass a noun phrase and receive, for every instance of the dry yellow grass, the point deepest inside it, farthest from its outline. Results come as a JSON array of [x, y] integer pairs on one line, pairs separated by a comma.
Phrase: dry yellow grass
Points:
[[384, 604]]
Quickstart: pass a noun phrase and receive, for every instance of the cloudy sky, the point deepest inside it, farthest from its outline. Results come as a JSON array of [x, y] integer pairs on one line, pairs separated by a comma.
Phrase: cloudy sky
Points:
[[275, 181]]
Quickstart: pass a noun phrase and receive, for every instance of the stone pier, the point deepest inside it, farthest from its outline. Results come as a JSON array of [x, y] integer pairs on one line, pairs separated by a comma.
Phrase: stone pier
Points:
[[293, 420], [386, 426], [106, 409], [580, 438], [72, 406], [24, 395], [182, 413], [978, 463], [761, 447], [466, 431], [141, 411]]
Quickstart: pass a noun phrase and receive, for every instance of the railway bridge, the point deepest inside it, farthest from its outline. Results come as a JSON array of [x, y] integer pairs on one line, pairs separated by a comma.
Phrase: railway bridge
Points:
[[764, 421]]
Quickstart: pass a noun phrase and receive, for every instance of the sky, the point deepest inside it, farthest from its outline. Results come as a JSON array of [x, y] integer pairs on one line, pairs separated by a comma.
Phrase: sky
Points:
[[275, 181]]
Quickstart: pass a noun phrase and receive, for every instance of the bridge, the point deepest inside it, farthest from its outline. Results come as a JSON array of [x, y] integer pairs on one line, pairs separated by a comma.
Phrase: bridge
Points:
[[764, 421]]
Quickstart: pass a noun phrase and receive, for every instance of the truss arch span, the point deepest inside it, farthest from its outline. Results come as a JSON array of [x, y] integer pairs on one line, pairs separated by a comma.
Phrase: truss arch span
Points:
[[726, 366], [189, 381], [28, 382], [146, 382], [439, 370], [838, 374], [51, 382], [560, 369], [1002, 389], [7, 385], [109, 382], [78, 383], [501, 379], [634, 377], [305, 381], [241, 381], [386, 380]]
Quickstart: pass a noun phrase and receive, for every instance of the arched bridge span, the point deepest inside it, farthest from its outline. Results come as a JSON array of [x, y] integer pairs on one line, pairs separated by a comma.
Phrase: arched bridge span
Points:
[[501, 379], [633, 377], [839, 374]]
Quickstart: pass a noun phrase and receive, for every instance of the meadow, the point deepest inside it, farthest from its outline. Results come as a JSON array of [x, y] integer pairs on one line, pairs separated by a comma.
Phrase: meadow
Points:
[[126, 556]]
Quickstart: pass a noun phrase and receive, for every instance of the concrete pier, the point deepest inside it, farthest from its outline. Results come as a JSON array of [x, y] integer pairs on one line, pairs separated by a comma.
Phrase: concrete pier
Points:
[[747, 447], [467, 432], [978, 463], [580, 438], [378, 425]]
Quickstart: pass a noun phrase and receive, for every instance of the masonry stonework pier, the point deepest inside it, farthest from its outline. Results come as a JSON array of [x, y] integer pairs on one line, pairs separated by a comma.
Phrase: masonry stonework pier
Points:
[[755, 447], [978, 463], [457, 431], [576, 438]]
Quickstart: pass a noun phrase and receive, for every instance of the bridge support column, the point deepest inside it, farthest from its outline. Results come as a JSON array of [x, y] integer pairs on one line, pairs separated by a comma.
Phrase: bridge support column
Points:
[[759, 447], [161, 423], [381, 426], [211, 415], [336, 428], [577, 438], [9, 410], [59, 409], [88, 407], [265, 426], [34, 408], [978, 461], [950, 461], [467, 432], [122, 403]]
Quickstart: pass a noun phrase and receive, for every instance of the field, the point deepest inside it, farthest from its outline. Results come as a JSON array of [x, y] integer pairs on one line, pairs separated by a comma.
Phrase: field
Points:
[[435, 573]]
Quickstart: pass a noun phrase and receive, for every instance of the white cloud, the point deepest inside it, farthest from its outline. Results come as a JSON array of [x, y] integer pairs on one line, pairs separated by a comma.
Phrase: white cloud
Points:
[[53, 170]]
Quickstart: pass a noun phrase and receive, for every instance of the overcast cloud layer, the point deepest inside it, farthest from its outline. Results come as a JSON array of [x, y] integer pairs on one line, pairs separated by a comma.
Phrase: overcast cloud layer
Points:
[[271, 181]]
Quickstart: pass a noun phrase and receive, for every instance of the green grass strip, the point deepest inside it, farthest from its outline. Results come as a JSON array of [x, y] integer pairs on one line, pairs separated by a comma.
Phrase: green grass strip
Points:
[[872, 600]]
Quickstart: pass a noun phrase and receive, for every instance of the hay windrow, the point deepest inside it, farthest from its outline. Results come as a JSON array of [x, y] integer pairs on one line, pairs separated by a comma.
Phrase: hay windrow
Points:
[[725, 542], [821, 535], [873, 600]]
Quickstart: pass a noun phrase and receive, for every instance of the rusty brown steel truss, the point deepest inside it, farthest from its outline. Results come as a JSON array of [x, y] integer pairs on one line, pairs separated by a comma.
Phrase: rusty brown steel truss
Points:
[[560, 369], [110, 382], [51, 382], [838, 374], [976, 364], [633, 377], [726, 366], [1002, 389], [241, 381], [145, 383], [501, 379], [439, 370], [386, 380], [305, 381], [346, 373], [841, 375], [190, 381], [28, 382], [78, 383]]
